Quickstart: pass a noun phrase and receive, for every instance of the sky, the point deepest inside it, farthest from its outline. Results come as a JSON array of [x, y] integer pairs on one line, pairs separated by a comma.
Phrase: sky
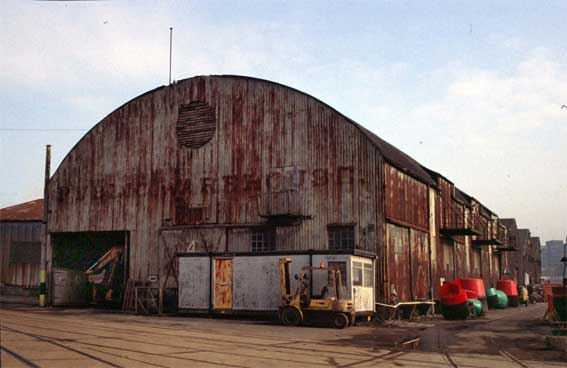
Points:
[[472, 90]]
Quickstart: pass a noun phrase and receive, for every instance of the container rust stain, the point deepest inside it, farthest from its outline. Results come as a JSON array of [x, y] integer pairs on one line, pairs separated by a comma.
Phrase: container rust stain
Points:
[[223, 283]]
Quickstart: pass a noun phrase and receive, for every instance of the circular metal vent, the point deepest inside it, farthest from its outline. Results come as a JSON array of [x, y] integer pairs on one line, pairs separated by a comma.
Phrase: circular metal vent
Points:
[[196, 124]]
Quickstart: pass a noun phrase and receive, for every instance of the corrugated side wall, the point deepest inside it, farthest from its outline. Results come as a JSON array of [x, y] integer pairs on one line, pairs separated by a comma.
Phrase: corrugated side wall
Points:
[[407, 199], [19, 274], [129, 173], [407, 237], [407, 263]]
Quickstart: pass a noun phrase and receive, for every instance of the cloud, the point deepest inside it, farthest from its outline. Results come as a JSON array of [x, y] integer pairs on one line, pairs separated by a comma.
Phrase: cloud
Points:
[[499, 135], [498, 132]]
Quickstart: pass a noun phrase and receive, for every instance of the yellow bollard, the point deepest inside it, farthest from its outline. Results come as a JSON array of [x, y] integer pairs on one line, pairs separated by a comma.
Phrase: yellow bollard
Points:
[[42, 288]]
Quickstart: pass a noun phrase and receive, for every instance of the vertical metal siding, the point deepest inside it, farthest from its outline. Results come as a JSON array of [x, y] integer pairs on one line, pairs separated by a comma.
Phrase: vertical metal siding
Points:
[[419, 259], [398, 263], [129, 173], [19, 274], [407, 199]]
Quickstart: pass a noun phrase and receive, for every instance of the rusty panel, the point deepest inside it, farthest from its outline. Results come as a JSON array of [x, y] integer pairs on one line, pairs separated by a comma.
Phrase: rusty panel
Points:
[[448, 271], [129, 174], [196, 124], [520, 257], [399, 269], [485, 268], [23, 275], [407, 200], [28, 211], [437, 266], [19, 274], [475, 263], [496, 268], [223, 283], [460, 254], [419, 256]]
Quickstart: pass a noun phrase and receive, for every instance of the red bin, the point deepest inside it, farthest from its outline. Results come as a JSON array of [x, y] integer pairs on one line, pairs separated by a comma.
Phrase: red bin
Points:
[[476, 285], [452, 294], [509, 287]]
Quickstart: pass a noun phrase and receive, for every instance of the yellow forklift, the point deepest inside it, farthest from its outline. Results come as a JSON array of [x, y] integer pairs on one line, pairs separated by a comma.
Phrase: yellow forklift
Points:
[[303, 307]]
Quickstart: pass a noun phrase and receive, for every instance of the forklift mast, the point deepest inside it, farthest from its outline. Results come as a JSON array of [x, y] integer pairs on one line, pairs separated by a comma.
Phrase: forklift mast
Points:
[[285, 279]]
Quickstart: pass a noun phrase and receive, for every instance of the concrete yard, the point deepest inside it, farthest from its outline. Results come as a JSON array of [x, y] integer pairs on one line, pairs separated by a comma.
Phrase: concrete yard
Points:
[[32, 337]]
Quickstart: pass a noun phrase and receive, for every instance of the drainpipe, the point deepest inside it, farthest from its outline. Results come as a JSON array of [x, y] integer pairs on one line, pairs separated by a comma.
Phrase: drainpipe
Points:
[[42, 272], [211, 281], [310, 273]]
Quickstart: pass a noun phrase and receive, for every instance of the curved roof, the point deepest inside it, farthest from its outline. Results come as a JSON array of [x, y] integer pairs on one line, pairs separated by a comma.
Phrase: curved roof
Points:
[[28, 211], [391, 154]]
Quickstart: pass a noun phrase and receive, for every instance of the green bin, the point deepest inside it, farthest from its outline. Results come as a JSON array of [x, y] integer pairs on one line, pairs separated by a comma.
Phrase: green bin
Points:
[[477, 306], [502, 300]]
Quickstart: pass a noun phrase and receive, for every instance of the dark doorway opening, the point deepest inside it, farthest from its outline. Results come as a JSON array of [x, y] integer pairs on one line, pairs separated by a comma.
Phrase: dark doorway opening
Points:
[[89, 268]]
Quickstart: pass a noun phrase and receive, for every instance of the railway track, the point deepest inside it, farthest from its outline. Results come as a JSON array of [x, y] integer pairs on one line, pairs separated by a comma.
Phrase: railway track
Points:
[[451, 362], [19, 358], [512, 358], [126, 342], [60, 345]]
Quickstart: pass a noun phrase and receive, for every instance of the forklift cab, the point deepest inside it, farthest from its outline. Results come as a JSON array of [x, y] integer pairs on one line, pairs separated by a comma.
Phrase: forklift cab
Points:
[[304, 306]]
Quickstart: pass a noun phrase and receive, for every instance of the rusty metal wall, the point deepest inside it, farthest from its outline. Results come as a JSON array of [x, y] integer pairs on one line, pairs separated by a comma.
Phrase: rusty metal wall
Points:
[[19, 274], [521, 256], [447, 248], [436, 248], [475, 263], [129, 173], [461, 267], [407, 264], [495, 268], [419, 258], [407, 199], [534, 259], [485, 269], [448, 272], [398, 268]]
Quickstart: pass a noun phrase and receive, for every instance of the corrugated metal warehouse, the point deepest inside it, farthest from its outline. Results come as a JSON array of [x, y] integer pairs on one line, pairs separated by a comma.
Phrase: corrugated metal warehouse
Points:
[[21, 232], [229, 173]]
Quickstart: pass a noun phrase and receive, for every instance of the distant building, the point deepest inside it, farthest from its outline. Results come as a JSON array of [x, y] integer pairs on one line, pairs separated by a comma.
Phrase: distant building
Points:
[[551, 255], [21, 228]]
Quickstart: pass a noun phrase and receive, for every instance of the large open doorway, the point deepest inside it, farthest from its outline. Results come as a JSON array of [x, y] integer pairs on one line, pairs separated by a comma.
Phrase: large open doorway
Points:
[[89, 268]]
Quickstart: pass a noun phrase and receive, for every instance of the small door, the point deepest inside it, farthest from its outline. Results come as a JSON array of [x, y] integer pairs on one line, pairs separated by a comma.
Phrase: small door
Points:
[[223, 283]]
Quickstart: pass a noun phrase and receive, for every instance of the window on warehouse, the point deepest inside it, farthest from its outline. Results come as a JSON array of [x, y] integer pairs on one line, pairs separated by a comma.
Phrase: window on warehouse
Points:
[[341, 237], [263, 240]]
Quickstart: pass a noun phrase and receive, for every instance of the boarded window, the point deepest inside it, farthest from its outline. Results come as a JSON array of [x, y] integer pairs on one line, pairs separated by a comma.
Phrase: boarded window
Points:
[[263, 240], [341, 237], [25, 252], [196, 124], [188, 215]]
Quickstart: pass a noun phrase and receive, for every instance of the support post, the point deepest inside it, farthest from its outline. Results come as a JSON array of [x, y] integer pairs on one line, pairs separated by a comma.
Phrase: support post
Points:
[[43, 269]]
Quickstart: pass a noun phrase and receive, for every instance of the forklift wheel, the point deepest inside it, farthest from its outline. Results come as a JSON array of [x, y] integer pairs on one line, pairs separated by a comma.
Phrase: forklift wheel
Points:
[[340, 320], [291, 317]]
